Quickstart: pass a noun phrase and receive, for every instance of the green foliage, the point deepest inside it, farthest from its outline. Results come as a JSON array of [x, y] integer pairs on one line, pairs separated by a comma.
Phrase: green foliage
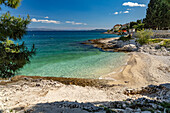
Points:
[[138, 25], [10, 3], [124, 39], [158, 14], [166, 43], [165, 104], [132, 24], [12, 27], [13, 56], [155, 40], [115, 31], [139, 21], [144, 36], [108, 30]]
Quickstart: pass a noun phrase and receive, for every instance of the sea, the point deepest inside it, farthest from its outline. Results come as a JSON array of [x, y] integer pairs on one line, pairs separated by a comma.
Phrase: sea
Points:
[[61, 54]]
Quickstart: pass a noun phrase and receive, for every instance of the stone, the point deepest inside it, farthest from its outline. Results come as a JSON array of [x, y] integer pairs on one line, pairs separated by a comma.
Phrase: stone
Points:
[[119, 110], [128, 110], [153, 105], [157, 46], [37, 84], [138, 110], [146, 112], [129, 47]]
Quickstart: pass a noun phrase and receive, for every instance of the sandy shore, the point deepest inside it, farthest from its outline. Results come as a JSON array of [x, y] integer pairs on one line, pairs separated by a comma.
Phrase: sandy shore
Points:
[[142, 69]]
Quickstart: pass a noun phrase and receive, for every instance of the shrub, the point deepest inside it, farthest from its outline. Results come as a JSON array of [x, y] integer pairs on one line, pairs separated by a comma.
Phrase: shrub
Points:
[[124, 39], [155, 40], [144, 36], [115, 31], [166, 43]]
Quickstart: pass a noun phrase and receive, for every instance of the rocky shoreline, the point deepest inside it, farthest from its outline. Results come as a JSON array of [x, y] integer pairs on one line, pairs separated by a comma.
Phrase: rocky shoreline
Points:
[[116, 45], [129, 91]]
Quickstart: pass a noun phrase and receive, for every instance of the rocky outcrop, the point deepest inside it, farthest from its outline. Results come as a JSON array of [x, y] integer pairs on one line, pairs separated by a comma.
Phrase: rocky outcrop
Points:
[[155, 49], [114, 45], [161, 35]]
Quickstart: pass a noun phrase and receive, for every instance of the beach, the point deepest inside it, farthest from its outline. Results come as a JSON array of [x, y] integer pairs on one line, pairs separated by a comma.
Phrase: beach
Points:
[[35, 94]]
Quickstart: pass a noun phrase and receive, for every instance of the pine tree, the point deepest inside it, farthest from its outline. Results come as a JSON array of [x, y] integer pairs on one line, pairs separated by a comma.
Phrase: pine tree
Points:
[[158, 14], [13, 56]]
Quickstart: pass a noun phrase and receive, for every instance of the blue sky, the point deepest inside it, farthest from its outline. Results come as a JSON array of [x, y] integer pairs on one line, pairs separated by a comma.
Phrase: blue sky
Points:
[[79, 14]]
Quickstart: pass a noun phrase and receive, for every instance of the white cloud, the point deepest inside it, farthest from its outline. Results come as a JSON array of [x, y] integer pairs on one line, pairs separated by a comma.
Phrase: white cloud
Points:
[[131, 4], [126, 12], [129, 9], [116, 13], [75, 23], [46, 17], [120, 12], [45, 21]]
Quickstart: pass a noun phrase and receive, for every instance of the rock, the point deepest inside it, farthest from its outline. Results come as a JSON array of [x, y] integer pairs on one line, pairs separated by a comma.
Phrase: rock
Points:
[[138, 110], [119, 110], [124, 105], [163, 49], [126, 81], [129, 47], [157, 46], [153, 105], [146, 112], [37, 84], [128, 110]]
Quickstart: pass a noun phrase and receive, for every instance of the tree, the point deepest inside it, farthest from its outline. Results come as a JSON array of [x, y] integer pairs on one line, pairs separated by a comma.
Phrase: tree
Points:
[[158, 14], [132, 24], [13, 56], [138, 25]]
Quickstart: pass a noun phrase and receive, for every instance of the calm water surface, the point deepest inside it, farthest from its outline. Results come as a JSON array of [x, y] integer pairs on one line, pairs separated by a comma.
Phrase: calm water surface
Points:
[[60, 54]]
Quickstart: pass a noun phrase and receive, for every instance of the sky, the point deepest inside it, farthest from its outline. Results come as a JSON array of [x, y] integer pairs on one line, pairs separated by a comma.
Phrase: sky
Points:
[[79, 14]]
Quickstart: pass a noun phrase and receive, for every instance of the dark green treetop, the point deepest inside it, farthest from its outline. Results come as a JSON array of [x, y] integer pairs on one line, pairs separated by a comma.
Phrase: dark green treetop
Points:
[[13, 56], [158, 14]]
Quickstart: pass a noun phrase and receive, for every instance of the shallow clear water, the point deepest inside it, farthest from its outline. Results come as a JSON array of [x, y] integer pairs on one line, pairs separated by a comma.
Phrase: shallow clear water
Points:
[[60, 54]]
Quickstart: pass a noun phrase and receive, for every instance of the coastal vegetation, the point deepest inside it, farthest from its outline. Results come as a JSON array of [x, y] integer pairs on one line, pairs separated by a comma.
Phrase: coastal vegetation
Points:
[[125, 38], [138, 25], [144, 36], [158, 15], [164, 42], [13, 56], [157, 18]]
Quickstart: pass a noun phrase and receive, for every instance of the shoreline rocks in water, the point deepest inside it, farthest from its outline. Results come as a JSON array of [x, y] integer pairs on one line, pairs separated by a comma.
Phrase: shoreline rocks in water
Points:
[[112, 44], [116, 45]]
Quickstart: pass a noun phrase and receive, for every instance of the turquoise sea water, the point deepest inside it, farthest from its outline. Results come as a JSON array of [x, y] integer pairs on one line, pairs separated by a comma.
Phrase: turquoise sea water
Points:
[[60, 54]]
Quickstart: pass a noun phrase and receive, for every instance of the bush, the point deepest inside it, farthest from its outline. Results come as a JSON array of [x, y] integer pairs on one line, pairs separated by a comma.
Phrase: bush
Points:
[[115, 31], [166, 43], [124, 39], [155, 40], [144, 36]]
